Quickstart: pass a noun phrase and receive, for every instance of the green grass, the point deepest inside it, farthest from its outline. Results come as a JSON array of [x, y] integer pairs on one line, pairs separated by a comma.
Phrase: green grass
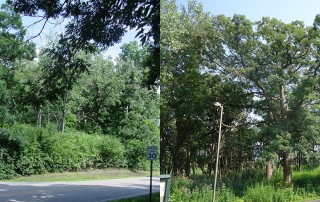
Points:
[[101, 174], [155, 198], [248, 187]]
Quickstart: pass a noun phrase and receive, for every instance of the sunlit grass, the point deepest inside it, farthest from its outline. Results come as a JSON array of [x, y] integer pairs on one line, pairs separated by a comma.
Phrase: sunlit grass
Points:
[[101, 174]]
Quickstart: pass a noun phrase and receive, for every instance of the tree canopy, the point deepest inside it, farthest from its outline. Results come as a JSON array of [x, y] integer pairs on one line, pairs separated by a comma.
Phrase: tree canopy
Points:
[[265, 73], [102, 23]]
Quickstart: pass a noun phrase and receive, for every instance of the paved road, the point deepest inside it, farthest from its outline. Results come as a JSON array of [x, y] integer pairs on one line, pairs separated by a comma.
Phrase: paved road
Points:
[[89, 191]]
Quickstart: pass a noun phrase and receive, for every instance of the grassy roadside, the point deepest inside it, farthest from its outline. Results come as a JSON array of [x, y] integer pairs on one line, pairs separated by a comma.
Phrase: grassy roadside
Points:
[[155, 198], [311, 199], [98, 174]]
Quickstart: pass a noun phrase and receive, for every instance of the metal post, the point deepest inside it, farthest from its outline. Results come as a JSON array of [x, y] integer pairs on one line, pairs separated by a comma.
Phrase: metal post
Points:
[[150, 196], [217, 159]]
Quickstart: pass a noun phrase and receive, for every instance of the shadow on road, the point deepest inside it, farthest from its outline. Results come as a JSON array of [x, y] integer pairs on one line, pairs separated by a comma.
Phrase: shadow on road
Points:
[[92, 191]]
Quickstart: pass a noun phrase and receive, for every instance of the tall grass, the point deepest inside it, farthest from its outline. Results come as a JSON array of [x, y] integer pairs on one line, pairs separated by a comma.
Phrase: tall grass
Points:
[[247, 187]]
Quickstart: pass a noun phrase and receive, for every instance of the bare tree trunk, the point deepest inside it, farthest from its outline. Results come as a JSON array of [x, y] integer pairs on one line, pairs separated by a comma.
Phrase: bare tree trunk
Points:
[[187, 166], [39, 116], [269, 169], [299, 161], [287, 169], [193, 168], [210, 165], [64, 111], [48, 117]]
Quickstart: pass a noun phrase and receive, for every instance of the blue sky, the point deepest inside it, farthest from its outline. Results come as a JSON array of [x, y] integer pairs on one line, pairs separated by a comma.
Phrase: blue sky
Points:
[[51, 28], [285, 10]]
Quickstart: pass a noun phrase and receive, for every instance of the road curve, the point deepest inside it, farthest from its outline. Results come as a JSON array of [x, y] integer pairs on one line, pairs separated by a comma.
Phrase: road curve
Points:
[[87, 191]]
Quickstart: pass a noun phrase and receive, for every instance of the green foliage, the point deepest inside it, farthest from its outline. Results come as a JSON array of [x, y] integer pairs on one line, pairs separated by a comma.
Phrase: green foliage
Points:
[[184, 189], [265, 74], [308, 179], [13, 47], [7, 168], [112, 100], [268, 193], [27, 150], [12, 35], [136, 155], [102, 24], [112, 152], [53, 91], [255, 189]]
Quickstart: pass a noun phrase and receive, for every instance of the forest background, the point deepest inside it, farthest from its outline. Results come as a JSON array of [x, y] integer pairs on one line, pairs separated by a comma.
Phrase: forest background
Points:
[[66, 107], [265, 74]]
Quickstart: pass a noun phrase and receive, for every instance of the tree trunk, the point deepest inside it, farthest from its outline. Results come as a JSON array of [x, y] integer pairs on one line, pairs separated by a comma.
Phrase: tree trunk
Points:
[[64, 111], [287, 169], [193, 168], [269, 170], [177, 168], [299, 161], [210, 165], [39, 116], [187, 166]]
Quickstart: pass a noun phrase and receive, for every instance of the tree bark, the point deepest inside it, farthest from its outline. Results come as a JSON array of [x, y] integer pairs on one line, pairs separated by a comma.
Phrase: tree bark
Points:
[[269, 169], [193, 168], [299, 161], [187, 166], [64, 111], [282, 103], [287, 169], [179, 156], [39, 116]]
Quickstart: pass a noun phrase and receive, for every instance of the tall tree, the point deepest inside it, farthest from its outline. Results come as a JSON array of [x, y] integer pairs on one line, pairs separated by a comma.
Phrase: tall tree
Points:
[[13, 47], [273, 60], [102, 22], [188, 90], [62, 67]]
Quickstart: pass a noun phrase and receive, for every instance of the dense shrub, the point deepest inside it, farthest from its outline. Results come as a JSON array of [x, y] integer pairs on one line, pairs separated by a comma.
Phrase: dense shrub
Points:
[[7, 169], [136, 154], [11, 145], [112, 152], [26, 150]]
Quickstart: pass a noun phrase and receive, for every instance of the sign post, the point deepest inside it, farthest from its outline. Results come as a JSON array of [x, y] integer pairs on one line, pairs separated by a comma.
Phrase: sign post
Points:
[[165, 183], [152, 154]]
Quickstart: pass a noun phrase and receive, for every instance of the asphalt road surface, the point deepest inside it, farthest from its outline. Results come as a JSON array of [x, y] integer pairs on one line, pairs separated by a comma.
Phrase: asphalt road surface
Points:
[[88, 191]]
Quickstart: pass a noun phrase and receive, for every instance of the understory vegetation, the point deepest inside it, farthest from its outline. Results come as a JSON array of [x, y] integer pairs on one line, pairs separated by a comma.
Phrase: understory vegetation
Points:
[[247, 187], [30, 150], [68, 107]]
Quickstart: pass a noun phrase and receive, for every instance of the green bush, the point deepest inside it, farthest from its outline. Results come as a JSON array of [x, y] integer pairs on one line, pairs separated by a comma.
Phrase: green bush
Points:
[[27, 150], [7, 169], [112, 152], [32, 157], [136, 155], [11, 146]]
